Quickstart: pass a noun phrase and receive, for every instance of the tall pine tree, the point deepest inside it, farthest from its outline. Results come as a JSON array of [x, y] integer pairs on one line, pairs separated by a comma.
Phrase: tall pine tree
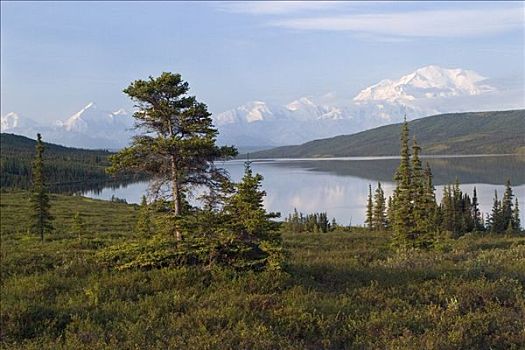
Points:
[[41, 219], [403, 223], [246, 212], [369, 209], [176, 146], [507, 207], [516, 217], [476, 214], [418, 193], [429, 202], [495, 219], [379, 221]]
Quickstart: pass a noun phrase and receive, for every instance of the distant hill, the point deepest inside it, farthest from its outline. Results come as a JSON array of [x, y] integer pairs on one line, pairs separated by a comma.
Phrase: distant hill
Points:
[[65, 168], [501, 132]]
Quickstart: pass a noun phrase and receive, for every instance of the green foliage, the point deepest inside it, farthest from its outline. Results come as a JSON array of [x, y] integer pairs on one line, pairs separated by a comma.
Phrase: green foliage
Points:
[[245, 212], [176, 144], [403, 223], [505, 215], [41, 218], [297, 222], [338, 290], [369, 209], [241, 235], [220, 250], [379, 220]]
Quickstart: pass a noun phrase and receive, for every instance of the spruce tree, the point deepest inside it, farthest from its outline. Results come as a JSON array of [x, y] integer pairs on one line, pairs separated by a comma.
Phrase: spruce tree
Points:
[[379, 220], [403, 223], [41, 219], [390, 212], [420, 215], [430, 204], [495, 221], [247, 216], [516, 216], [369, 209], [447, 209], [506, 206], [476, 214], [457, 212], [176, 145]]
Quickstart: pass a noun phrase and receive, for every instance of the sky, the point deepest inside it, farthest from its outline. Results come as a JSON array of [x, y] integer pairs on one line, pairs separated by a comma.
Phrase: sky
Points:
[[56, 57]]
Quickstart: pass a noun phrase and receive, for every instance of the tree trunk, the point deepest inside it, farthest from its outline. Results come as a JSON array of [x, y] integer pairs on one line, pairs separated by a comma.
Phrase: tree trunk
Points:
[[176, 196]]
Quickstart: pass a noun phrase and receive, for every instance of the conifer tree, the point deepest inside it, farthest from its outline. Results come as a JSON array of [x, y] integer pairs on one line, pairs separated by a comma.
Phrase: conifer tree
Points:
[[506, 206], [369, 209], [333, 225], [41, 219], [176, 146], [447, 209], [457, 213], [430, 204], [476, 214], [379, 220], [390, 212], [143, 226], [403, 223], [420, 215], [246, 212], [516, 216], [495, 221]]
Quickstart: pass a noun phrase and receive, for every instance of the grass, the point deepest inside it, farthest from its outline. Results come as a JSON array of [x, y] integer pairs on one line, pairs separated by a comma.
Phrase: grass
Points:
[[339, 290]]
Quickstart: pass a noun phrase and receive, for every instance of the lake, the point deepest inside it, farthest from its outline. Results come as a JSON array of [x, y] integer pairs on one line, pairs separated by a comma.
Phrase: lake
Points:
[[339, 186]]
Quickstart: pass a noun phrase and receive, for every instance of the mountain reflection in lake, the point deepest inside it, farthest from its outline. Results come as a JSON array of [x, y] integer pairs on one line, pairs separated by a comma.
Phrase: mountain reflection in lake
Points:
[[340, 186]]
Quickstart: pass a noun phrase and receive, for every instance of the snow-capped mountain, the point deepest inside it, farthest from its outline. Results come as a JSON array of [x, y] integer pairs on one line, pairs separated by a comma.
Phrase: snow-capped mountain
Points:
[[12, 121], [17, 124], [426, 83], [91, 127], [98, 123], [426, 91]]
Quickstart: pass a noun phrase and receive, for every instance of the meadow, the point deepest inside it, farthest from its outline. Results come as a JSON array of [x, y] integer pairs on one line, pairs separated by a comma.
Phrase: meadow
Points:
[[342, 290]]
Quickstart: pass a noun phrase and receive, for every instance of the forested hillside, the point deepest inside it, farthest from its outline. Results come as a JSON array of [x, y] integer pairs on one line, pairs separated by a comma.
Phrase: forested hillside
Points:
[[64, 166], [456, 133]]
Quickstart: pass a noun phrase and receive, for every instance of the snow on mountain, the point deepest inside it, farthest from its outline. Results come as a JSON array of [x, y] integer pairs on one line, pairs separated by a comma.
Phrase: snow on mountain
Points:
[[248, 113], [12, 121], [426, 83], [92, 119], [15, 124], [9, 121], [426, 91], [94, 126], [91, 127]]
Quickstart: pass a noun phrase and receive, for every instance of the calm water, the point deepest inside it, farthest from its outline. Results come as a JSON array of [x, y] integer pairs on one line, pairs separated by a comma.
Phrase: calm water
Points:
[[340, 186]]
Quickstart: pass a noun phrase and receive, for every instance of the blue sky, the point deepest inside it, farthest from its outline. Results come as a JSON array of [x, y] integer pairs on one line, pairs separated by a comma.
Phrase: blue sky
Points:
[[58, 56]]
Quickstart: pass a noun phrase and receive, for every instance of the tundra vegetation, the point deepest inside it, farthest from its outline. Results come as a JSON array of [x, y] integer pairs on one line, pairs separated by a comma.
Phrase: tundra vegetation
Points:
[[226, 274]]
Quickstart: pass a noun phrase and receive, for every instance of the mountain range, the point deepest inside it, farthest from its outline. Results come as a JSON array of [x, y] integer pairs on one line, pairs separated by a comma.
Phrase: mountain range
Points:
[[426, 91]]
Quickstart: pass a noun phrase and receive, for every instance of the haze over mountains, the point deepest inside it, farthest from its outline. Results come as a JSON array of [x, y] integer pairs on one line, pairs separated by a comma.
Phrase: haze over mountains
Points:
[[428, 90]]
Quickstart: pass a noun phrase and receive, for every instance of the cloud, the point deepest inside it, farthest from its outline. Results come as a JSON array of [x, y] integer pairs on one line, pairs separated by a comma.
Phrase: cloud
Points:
[[429, 23], [275, 7]]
